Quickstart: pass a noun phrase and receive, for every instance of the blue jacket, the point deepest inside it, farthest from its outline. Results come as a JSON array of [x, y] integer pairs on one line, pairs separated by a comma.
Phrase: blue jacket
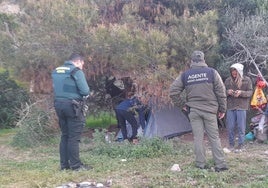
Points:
[[68, 84], [127, 103]]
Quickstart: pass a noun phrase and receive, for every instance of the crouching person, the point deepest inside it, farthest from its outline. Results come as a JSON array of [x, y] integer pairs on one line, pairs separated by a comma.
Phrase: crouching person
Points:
[[124, 112]]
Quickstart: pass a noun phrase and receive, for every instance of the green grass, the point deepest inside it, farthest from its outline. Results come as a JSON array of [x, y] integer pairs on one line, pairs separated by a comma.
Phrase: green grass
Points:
[[102, 121], [39, 167], [6, 131]]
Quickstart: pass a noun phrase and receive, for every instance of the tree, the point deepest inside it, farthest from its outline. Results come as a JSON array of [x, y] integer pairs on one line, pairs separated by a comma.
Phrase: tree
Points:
[[249, 41], [110, 11], [124, 42], [9, 44], [48, 32]]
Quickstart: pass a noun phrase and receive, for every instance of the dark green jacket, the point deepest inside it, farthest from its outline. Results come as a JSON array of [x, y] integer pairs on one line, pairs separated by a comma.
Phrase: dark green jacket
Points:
[[68, 84], [205, 89]]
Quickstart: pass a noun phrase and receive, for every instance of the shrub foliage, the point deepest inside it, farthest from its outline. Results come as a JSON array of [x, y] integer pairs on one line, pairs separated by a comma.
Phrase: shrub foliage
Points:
[[11, 98], [34, 126], [154, 147]]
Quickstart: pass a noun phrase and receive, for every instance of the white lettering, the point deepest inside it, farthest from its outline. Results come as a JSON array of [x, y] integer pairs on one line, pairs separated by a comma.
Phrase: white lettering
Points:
[[195, 76], [63, 68]]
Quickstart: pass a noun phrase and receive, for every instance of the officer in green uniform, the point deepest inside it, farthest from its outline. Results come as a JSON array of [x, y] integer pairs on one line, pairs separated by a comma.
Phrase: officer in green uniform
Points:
[[70, 86], [205, 100]]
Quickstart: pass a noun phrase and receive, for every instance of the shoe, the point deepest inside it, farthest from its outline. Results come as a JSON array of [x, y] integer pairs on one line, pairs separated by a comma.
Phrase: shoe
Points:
[[231, 148], [221, 169], [119, 140], [65, 168], [83, 168], [203, 167], [133, 140], [228, 150], [239, 149]]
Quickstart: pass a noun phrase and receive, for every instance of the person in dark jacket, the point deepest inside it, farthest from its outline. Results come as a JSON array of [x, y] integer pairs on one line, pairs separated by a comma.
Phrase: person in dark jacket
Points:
[[239, 91], [70, 86], [125, 112], [205, 101]]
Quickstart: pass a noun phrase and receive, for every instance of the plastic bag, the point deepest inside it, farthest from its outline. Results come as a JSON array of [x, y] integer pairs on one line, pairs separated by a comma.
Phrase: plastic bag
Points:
[[258, 99], [249, 136]]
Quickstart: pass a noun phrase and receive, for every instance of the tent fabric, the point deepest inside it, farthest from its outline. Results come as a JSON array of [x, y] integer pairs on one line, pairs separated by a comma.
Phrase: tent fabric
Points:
[[167, 122]]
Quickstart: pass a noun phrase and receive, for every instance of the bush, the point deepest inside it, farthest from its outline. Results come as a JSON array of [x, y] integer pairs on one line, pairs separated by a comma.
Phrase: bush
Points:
[[150, 148], [11, 98], [34, 126], [104, 120]]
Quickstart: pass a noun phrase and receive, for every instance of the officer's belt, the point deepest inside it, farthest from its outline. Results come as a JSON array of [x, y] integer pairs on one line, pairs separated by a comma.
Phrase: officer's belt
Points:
[[67, 100]]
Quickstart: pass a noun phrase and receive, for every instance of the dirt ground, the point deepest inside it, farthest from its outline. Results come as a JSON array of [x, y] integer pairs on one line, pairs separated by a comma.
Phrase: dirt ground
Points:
[[222, 133], [186, 137]]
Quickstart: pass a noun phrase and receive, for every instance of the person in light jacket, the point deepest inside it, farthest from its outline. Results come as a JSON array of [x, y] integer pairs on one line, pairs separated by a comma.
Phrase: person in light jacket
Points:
[[239, 91]]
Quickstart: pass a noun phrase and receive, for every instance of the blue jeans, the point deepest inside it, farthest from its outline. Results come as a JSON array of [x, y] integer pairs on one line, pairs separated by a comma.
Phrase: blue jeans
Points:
[[236, 118]]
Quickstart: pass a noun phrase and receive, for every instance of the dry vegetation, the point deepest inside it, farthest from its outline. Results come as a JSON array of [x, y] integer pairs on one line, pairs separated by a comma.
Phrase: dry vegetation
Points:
[[38, 167]]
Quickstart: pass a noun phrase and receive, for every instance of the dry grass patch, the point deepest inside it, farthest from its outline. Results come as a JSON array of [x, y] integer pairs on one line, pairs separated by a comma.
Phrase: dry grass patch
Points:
[[39, 167]]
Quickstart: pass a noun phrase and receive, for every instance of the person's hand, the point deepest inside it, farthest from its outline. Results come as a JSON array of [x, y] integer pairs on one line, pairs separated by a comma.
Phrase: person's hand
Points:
[[237, 93], [185, 109], [230, 92], [221, 115]]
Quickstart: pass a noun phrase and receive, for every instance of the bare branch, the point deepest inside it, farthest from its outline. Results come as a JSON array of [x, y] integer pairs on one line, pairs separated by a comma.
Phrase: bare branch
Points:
[[249, 39]]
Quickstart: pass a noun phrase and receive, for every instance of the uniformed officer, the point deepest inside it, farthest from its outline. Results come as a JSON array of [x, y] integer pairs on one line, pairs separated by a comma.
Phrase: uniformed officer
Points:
[[70, 86], [205, 100]]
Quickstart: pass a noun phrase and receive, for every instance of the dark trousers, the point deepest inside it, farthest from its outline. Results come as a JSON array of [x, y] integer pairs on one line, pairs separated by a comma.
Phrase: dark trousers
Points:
[[71, 129], [123, 116]]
